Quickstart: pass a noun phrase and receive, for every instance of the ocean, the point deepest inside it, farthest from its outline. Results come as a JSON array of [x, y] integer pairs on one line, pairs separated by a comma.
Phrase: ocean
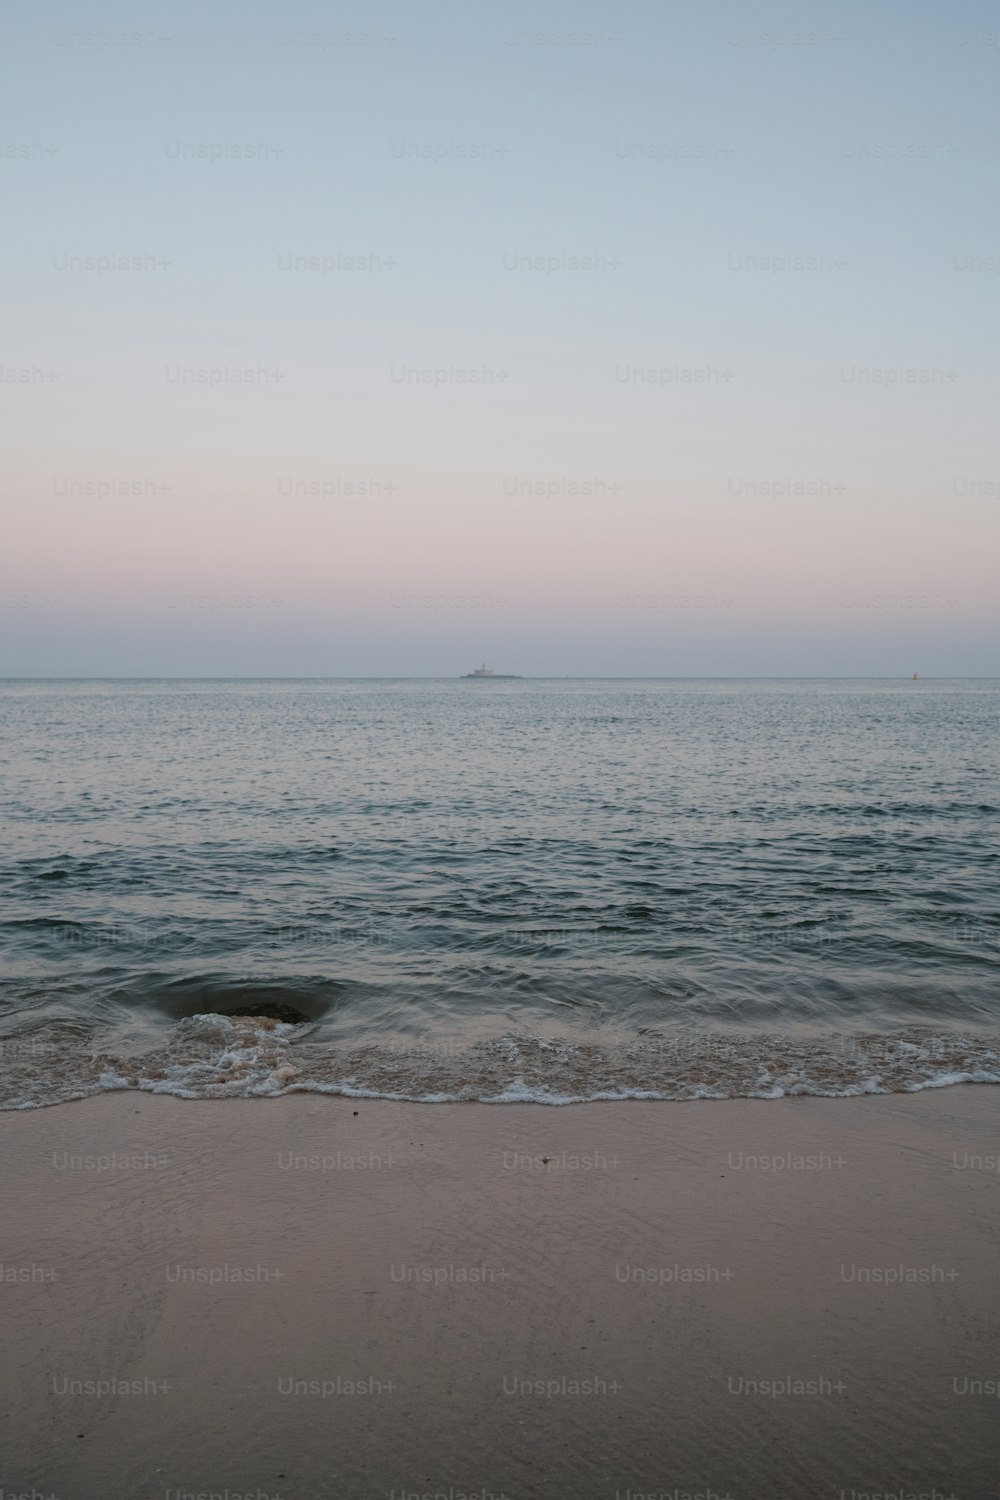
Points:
[[549, 890]]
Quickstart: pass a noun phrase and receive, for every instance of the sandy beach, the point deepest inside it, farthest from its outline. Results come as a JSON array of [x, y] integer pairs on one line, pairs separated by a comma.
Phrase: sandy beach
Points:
[[316, 1296]]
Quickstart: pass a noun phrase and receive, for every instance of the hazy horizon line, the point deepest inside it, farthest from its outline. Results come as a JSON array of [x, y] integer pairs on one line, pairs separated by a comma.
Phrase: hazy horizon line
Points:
[[500, 677]]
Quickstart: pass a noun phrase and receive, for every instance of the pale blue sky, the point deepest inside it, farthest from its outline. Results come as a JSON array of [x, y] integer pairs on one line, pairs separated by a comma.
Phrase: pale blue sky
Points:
[[678, 146]]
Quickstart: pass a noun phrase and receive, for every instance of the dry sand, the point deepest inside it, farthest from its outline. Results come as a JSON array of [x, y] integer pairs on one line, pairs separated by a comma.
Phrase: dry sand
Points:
[[415, 1270]]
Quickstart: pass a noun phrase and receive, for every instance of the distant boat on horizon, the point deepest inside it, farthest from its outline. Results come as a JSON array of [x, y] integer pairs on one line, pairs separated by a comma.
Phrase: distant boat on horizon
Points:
[[488, 672]]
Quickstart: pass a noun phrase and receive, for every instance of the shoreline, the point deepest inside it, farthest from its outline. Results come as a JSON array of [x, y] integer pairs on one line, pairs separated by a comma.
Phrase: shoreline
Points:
[[757, 1298], [233, 1056]]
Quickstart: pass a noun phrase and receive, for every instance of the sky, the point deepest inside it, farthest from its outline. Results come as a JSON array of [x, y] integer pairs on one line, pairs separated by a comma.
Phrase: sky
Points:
[[583, 339]]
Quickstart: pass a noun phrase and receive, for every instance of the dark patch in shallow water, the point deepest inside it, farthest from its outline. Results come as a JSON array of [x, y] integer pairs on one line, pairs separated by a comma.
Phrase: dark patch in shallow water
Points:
[[294, 1002], [269, 1010]]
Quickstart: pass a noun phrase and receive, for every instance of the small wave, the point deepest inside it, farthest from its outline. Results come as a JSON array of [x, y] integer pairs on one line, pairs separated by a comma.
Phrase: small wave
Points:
[[215, 1056], [43, 924]]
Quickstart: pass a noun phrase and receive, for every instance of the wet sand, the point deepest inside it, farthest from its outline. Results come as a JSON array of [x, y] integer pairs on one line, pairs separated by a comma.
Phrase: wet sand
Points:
[[314, 1296]]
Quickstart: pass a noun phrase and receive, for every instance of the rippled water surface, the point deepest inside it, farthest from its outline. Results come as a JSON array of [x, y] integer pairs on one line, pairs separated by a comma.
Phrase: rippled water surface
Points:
[[536, 889]]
